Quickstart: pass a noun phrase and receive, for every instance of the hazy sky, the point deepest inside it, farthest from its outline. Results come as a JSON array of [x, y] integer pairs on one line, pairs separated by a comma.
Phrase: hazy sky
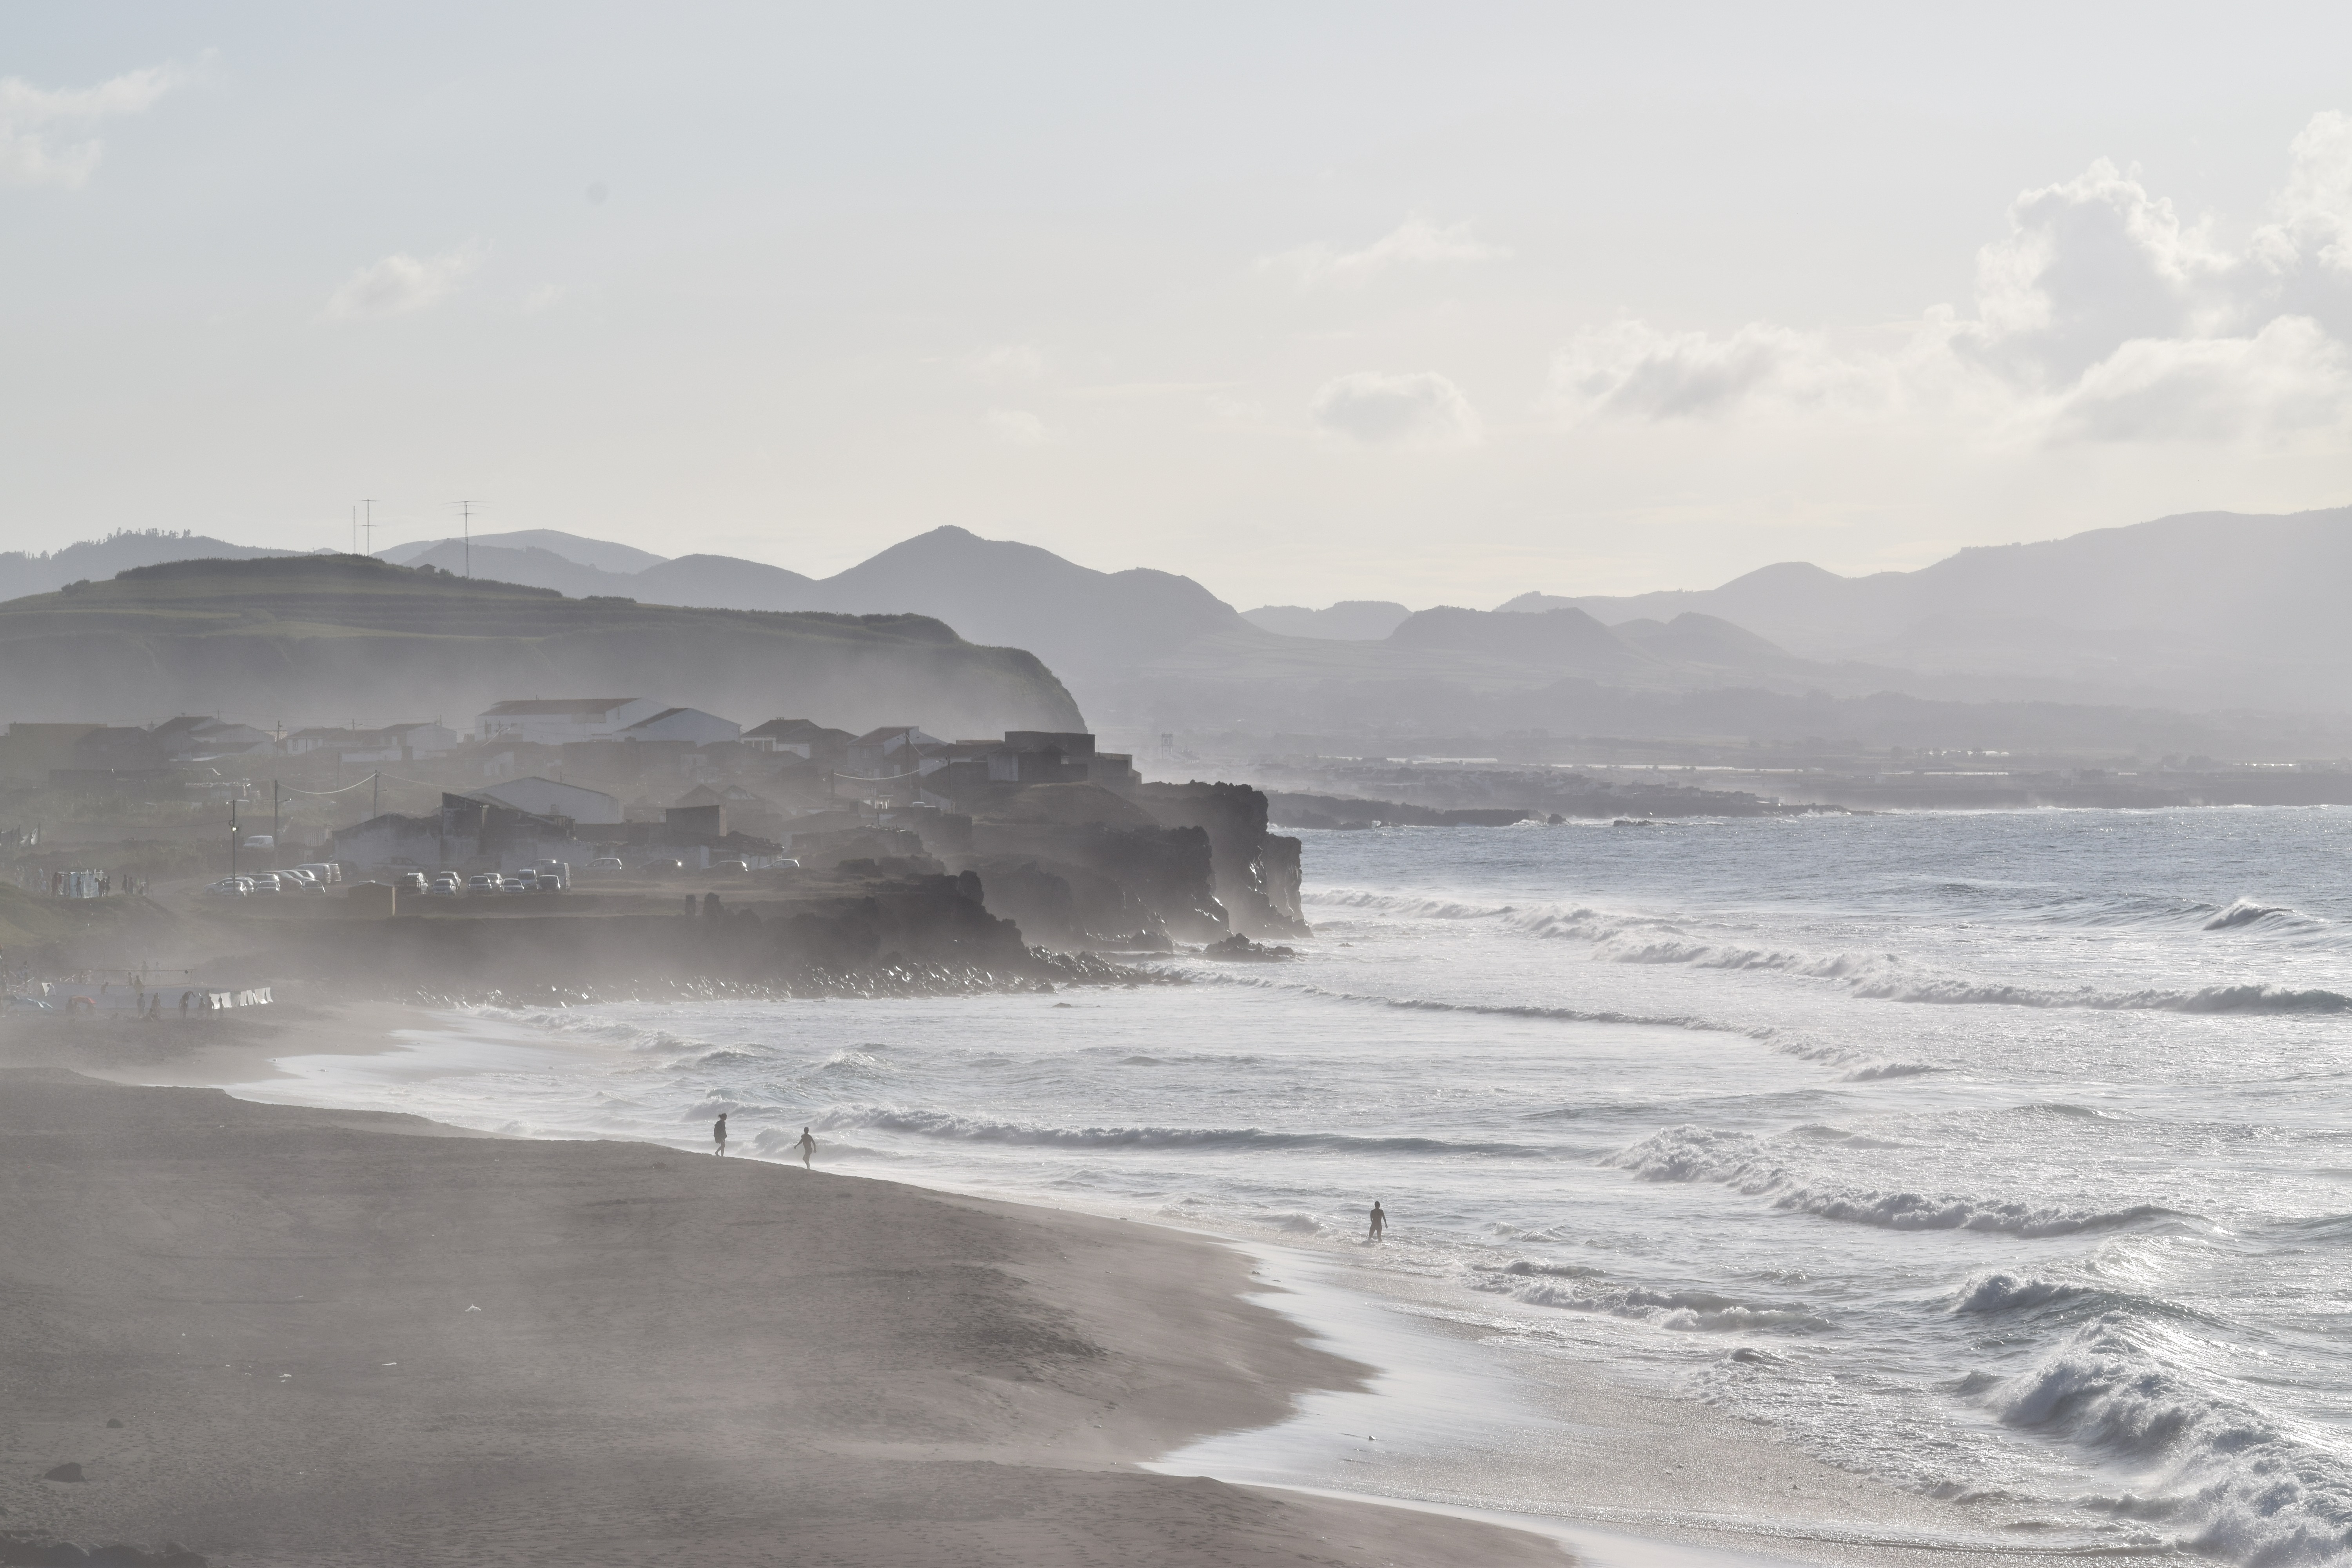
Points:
[[1437, 304]]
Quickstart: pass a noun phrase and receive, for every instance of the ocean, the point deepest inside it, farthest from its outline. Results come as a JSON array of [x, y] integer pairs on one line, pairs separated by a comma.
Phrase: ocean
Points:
[[1998, 1158]]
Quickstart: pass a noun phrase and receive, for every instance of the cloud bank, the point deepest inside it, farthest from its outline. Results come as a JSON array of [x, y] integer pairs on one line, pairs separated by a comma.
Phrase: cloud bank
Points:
[[2101, 316], [47, 135], [401, 284]]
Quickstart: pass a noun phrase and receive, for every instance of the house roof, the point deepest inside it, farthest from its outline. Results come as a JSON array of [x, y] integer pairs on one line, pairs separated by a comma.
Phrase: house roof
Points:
[[647, 723], [778, 729], [596, 707], [875, 737]]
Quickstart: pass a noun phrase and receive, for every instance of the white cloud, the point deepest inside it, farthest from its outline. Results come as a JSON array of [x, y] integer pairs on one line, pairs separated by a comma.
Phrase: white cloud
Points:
[[1632, 368], [401, 283], [1415, 242], [1019, 426], [2314, 209], [47, 135], [2289, 377], [1422, 409], [544, 297], [2099, 316]]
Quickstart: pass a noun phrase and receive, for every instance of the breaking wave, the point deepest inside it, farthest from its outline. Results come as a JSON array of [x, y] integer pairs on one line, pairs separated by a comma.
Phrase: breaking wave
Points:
[[979, 1130], [2232, 1479], [1703, 1311], [1747, 1164]]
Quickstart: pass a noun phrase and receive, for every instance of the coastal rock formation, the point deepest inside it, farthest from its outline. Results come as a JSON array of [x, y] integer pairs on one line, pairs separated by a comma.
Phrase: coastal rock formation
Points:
[[1258, 872]]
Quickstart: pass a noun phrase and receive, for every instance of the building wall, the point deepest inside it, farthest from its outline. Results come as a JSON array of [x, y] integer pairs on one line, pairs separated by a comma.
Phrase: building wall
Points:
[[547, 797]]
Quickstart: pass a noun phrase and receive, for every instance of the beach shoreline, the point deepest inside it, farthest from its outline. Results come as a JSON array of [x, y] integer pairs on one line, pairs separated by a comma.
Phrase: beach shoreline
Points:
[[1475, 1429], [329, 1341]]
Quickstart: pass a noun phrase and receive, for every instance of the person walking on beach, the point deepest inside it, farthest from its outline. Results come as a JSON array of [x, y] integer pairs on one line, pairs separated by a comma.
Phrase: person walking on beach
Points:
[[1380, 1222], [807, 1146], [718, 1134]]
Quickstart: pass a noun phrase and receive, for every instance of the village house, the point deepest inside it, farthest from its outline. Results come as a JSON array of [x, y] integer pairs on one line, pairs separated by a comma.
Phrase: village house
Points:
[[467, 834], [193, 738], [802, 738], [692, 725], [392, 744], [889, 752], [557, 720]]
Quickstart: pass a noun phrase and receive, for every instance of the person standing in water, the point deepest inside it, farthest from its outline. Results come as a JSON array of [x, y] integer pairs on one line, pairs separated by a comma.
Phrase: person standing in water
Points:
[[718, 1134], [807, 1146], [1380, 1222]]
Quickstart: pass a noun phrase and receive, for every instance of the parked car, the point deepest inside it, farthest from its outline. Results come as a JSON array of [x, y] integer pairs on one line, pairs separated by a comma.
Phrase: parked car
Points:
[[448, 886], [554, 876], [267, 882], [298, 881], [606, 863], [731, 865], [664, 868], [232, 888], [521, 882], [409, 881], [484, 882], [324, 871]]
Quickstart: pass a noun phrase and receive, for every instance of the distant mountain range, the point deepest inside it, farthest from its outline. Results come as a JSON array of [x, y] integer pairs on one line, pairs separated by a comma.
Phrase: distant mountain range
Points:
[[2207, 612], [2206, 609]]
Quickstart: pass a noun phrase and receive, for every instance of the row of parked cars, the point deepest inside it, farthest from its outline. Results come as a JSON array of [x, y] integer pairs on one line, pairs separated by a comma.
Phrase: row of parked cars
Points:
[[546, 877], [310, 879]]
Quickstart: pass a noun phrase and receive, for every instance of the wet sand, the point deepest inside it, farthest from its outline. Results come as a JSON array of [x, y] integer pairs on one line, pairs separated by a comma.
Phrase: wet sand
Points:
[[330, 1340]]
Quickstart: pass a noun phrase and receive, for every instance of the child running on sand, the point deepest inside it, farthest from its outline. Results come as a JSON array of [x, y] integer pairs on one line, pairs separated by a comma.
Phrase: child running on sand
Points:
[[718, 1134], [807, 1146]]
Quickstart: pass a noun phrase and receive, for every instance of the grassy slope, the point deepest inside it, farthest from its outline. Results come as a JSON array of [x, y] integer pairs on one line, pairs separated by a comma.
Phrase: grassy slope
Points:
[[324, 639]]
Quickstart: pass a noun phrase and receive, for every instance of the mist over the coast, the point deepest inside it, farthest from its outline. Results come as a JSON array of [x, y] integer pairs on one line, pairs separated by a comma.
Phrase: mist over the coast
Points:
[[1453, 786]]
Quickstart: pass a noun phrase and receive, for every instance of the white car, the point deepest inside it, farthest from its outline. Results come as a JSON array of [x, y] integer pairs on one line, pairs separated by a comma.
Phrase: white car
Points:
[[267, 882], [232, 888], [606, 863], [447, 886], [485, 882]]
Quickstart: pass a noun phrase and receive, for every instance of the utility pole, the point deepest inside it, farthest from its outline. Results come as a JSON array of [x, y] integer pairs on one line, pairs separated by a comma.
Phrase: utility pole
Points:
[[370, 523], [273, 820], [231, 837], [375, 793], [465, 521], [355, 528]]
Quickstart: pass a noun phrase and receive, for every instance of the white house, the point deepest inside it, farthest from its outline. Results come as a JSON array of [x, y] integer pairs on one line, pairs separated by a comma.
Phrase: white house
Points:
[[692, 725], [557, 720], [547, 797]]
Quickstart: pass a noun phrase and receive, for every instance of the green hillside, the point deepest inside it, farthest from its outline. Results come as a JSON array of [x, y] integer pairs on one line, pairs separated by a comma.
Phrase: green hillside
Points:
[[328, 638]]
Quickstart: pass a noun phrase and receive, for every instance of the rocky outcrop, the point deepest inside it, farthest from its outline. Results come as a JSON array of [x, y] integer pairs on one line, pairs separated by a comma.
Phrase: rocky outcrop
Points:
[[1256, 872]]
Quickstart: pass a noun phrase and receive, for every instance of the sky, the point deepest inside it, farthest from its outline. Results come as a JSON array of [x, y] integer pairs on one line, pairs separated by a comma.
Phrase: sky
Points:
[[1436, 303]]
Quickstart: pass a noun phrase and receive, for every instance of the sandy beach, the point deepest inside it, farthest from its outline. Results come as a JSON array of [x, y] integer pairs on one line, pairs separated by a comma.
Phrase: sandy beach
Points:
[[327, 1338]]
